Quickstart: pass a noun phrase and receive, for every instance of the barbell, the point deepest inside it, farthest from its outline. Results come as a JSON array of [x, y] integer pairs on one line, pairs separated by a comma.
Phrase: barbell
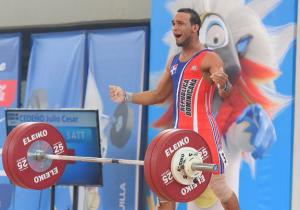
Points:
[[178, 163]]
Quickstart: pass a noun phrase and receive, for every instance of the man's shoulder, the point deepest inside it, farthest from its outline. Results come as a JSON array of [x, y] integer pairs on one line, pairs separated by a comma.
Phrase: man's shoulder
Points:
[[171, 59], [211, 55], [211, 58], [204, 55]]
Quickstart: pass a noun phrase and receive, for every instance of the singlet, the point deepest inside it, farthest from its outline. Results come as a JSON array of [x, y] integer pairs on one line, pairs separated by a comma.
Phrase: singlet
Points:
[[193, 97]]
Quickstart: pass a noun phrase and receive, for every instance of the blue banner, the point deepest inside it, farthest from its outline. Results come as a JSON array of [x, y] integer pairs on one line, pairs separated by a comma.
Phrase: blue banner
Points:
[[56, 70], [10, 64], [116, 57], [263, 41], [55, 80]]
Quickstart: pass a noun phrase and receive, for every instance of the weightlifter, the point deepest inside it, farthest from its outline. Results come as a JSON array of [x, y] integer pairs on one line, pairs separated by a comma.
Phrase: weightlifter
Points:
[[192, 76]]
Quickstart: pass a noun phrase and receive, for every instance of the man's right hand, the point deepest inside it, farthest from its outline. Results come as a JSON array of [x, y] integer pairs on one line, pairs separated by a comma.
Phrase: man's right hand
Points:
[[117, 94]]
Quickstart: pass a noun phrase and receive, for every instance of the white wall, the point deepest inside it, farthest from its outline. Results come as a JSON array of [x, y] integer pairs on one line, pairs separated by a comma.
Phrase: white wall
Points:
[[19, 13], [296, 159]]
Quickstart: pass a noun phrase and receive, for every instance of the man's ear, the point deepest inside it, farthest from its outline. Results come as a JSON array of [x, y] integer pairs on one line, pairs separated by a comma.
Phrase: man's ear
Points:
[[195, 27]]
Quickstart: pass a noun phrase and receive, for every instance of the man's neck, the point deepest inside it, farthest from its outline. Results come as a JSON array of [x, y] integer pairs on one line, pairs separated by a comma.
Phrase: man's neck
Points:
[[188, 51]]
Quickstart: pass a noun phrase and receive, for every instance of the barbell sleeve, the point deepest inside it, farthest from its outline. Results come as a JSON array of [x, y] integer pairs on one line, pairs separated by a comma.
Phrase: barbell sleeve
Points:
[[204, 167]]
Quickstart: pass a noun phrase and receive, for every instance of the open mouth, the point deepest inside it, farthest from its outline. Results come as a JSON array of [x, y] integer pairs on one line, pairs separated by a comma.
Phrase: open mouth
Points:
[[177, 36]]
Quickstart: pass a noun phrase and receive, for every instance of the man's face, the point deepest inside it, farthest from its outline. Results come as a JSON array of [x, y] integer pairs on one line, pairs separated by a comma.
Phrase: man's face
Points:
[[182, 28]]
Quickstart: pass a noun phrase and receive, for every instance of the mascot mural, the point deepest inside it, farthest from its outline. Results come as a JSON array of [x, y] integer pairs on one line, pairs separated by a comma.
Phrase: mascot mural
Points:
[[252, 53]]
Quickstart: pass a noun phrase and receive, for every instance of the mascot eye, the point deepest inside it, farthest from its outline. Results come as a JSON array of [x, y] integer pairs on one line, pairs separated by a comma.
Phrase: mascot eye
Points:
[[213, 32], [215, 36]]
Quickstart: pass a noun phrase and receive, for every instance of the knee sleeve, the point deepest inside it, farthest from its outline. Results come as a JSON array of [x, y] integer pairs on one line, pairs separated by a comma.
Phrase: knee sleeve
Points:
[[220, 188]]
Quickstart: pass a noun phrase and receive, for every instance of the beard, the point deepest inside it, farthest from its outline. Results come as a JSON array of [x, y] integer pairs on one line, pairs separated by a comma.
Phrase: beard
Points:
[[179, 44], [184, 42]]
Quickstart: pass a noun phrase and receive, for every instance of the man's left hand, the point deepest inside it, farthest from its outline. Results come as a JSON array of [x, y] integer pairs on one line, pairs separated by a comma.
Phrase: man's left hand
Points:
[[220, 78]]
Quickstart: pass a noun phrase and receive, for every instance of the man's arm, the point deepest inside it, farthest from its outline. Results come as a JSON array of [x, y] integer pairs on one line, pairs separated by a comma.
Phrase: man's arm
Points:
[[158, 95], [214, 66]]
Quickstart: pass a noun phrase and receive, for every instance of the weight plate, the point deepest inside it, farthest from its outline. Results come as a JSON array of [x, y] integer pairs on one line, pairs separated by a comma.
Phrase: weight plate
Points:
[[19, 158], [5, 157], [162, 157], [147, 162], [122, 126]]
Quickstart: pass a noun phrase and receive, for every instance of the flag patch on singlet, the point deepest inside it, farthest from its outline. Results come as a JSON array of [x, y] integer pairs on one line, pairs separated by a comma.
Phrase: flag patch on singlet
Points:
[[173, 69]]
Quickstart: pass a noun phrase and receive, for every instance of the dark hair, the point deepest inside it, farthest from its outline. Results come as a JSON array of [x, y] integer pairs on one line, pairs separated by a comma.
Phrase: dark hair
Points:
[[194, 19]]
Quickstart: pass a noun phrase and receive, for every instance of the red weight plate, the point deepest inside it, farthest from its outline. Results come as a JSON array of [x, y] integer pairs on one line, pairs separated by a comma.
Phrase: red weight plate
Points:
[[37, 133], [147, 159], [147, 162], [25, 161], [153, 164], [19, 130], [162, 156], [5, 156]]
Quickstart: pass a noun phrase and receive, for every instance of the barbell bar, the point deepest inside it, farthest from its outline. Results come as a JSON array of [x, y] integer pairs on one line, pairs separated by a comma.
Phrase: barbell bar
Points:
[[42, 156], [178, 166], [39, 155]]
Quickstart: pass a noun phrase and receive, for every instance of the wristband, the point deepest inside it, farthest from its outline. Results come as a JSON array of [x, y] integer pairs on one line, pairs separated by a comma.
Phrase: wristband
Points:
[[128, 97], [226, 87]]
